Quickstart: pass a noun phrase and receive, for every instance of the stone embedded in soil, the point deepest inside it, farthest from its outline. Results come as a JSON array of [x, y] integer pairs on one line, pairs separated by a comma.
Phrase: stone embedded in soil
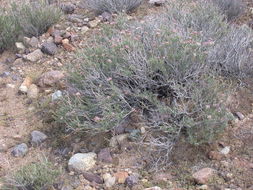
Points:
[[25, 85], [34, 56], [20, 46], [92, 177], [58, 39], [20, 150], [68, 8], [240, 115], [132, 180], [161, 177], [49, 48], [153, 188], [106, 16], [66, 187], [82, 162], [31, 42], [56, 95], [204, 175], [157, 2], [215, 155], [67, 46], [225, 150], [37, 138], [84, 29], [94, 23], [109, 180], [33, 92], [50, 78], [118, 140], [104, 155], [121, 177]]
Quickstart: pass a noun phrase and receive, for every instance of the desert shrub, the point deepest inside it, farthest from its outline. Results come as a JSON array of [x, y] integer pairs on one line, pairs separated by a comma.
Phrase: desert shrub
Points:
[[36, 18], [231, 8], [9, 30], [232, 54], [112, 6], [32, 176]]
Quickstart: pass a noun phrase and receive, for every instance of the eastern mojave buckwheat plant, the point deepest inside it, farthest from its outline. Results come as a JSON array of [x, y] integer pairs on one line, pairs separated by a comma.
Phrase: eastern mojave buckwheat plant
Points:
[[112, 6], [166, 73]]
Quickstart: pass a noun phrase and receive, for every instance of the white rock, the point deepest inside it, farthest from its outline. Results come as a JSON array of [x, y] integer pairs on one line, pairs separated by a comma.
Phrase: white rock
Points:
[[225, 150], [33, 92], [20, 46], [109, 180], [82, 162], [57, 95], [157, 2]]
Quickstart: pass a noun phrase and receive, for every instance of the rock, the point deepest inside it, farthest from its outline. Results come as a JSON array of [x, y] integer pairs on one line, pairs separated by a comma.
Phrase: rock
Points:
[[18, 61], [75, 18], [3, 147], [49, 48], [34, 56], [50, 78], [157, 2], [10, 85], [203, 187], [92, 177], [153, 188], [118, 140], [68, 8], [225, 150], [214, 155], [20, 46], [84, 29], [31, 42], [132, 180], [161, 177], [33, 92], [67, 46], [5, 74], [37, 138], [82, 162], [67, 187], [20, 150], [204, 175], [121, 177], [240, 115], [25, 85], [105, 155], [94, 23], [107, 17], [56, 95], [109, 180], [58, 39]]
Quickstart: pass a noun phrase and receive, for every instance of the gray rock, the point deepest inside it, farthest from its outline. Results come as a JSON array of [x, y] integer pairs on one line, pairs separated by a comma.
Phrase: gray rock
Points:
[[105, 155], [132, 180], [240, 115], [5, 74], [31, 42], [56, 95], [20, 150], [37, 138], [50, 78], [68, 8], [82, 162], [49, 48], [92, 177], [20, 46], [118, 140], [67, 187], [157, 2], [106, 16], [34, 56]]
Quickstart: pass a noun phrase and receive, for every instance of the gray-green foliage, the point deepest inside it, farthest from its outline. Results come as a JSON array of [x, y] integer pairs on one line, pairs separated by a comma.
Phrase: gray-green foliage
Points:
[[36, 18], [34, 176], [9, 30], [112, 6]]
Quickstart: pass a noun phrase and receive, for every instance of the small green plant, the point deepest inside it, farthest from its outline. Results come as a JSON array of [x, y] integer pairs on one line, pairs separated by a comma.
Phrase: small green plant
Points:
[[113, 6], [9, 30], [34, 176], [36, 18]]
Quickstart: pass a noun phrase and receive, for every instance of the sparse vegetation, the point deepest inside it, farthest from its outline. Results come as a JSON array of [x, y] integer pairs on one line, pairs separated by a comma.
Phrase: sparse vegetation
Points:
[[29, 19], [112, 6], [9, 30], [231, 8], [36, 18], [34, 176]]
